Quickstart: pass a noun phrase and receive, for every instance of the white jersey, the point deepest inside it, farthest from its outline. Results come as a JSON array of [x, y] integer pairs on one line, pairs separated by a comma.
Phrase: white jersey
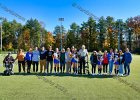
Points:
[[83, 53], [56, 56]]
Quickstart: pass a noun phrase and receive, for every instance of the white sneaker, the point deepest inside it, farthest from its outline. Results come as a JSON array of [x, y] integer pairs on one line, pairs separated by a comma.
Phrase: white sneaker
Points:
[[121, 74]]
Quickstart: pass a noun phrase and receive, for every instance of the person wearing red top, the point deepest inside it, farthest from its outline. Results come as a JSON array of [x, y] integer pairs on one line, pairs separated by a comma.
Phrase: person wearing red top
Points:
[[105, 62]]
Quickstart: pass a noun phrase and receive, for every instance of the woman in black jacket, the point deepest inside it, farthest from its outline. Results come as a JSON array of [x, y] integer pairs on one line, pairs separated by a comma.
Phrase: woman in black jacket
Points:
[[93, 60]]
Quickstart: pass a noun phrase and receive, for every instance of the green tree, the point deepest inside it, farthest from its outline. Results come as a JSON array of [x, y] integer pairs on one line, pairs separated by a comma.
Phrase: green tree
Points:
[[112, 36], [35, 31], [102, 34]]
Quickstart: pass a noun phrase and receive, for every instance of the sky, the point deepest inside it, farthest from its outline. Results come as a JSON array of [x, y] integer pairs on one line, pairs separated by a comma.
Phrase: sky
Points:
[[49, 11]]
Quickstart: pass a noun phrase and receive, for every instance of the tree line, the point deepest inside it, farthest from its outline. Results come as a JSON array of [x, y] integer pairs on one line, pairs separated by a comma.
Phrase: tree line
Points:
[[99, 34]]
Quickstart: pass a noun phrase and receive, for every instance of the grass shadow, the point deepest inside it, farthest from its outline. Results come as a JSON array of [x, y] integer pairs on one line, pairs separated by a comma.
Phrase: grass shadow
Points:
[[72, 75], [62, 75]]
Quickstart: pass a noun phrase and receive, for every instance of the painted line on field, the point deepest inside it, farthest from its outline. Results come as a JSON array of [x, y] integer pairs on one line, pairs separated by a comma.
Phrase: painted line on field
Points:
[[132, 86], [56, 85]]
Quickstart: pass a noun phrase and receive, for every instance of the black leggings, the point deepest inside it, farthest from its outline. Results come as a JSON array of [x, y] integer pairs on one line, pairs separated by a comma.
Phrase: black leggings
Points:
[[28, 66], [82, 66], [105, 67], [21, 63], [94, 68]]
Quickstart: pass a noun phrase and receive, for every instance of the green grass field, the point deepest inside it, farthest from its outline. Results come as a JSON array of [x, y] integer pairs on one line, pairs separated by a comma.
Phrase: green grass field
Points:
[[70, 87]]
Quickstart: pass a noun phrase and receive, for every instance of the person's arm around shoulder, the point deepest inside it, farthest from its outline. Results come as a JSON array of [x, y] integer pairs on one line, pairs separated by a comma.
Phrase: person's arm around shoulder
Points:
[[16, 57]]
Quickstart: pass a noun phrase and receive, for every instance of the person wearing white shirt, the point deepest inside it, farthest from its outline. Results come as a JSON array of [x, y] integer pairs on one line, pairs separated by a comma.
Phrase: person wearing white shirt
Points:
[[83, 54], [56, 60], [68, 56]]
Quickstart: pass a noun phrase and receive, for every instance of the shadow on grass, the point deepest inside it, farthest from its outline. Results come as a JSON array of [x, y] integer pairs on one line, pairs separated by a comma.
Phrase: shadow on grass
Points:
[[62, 75]]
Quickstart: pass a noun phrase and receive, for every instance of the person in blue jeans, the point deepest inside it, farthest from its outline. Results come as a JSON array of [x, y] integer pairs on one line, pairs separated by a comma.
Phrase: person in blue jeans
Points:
[[28, 59], [111, 61], [35, 59], [127, 62], [120, 62]]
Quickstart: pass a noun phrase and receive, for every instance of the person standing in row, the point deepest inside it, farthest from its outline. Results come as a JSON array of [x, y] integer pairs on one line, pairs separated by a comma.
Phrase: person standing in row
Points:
[[111, 60], [127, 62], [120, 63], [100, 61], [105, 62], [43, 60], [28, 59], [93, 60], [62, 60], [116, 63], [35, 59], [74, 61], [68, 60], [21, 60], [50, 54], [56, 60], [83, 54]]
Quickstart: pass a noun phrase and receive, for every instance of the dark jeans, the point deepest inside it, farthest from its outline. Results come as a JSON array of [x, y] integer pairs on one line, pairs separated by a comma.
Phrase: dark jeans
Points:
[[35, 66], [126, 68], [21, 63], [62, 66], [51, 65], [105, 68], [29, 66], [82, 65], [94, 68]]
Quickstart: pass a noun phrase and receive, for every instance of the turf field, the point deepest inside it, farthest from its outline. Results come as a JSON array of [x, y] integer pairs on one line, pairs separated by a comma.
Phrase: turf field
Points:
[[70, 87]]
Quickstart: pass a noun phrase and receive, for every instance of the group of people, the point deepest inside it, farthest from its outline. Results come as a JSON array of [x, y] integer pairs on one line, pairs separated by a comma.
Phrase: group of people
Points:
[[49, 59], [72, 60], [121, 62]]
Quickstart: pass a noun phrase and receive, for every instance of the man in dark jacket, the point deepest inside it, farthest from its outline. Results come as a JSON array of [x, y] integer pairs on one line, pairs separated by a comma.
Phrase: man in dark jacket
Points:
[[127, 61]]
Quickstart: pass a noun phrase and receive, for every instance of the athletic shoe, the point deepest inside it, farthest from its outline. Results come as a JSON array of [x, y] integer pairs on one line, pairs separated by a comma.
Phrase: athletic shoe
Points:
[[121, 74]]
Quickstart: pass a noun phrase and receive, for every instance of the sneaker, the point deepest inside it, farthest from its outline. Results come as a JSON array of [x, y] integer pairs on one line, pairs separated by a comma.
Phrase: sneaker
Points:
[[121, 74], [117, 74], [45, 73], [93, 74], [110, 73]]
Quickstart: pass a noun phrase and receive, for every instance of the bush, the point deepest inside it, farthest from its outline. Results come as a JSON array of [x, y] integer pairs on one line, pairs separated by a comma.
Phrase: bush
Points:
[[136, 51]]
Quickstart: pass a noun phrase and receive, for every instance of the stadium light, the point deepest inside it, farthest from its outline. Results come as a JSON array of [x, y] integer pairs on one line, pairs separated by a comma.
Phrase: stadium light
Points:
[[119, 32], [61, 31]]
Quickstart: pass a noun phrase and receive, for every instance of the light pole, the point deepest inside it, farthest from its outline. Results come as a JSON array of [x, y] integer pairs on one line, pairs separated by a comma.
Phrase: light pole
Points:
[[1, 33], [61, 31], [1, 37], [119, 32], [41, 35]]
